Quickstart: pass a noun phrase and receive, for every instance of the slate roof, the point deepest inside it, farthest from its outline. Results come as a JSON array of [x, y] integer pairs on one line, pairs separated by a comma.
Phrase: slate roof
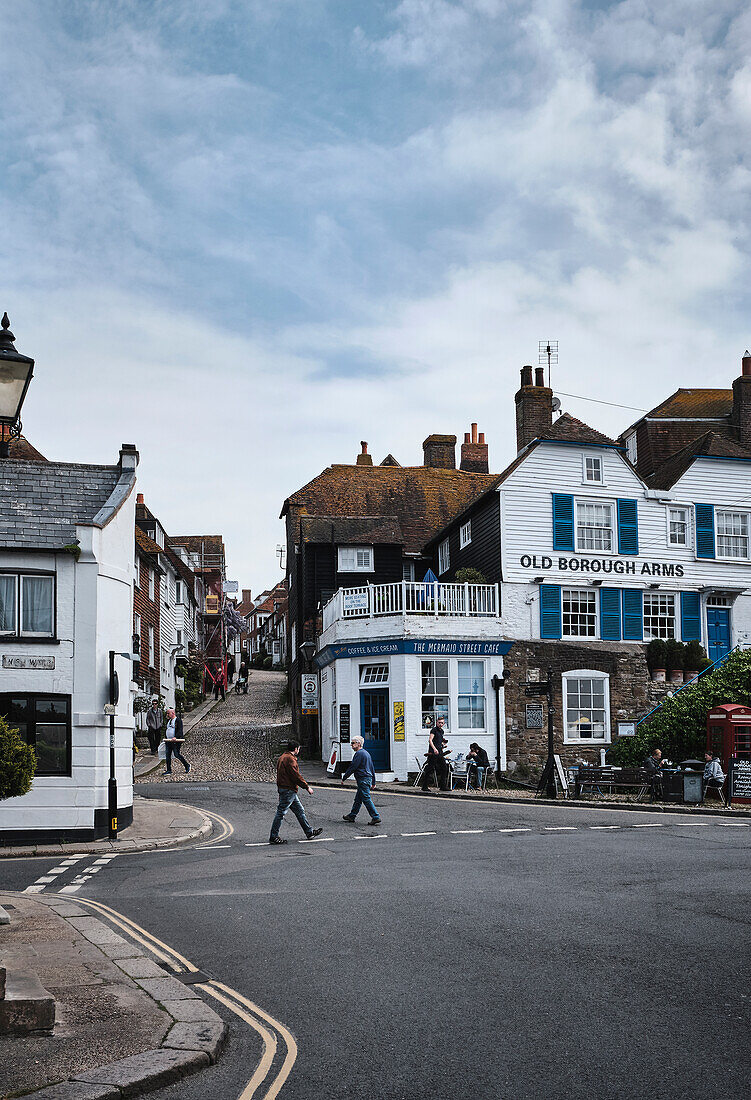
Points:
[[710, 444], [41, 502], [421, 499], [348, 530]]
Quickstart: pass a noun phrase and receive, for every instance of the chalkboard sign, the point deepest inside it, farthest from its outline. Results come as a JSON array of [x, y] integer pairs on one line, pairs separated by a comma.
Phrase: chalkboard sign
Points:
[[344, 723], [741, 780]]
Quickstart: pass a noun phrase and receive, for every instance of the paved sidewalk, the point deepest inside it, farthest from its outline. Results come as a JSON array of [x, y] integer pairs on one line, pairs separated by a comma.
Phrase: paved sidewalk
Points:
[[146, 762], [117, 1011], [156, 824]]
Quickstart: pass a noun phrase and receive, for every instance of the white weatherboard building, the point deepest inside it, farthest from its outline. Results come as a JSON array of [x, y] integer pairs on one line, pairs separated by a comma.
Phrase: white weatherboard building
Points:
[[394, 657], [66, 600]]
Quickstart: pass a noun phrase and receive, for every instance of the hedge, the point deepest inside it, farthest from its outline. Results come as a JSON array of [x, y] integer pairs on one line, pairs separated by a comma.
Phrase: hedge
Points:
[[17, 762]]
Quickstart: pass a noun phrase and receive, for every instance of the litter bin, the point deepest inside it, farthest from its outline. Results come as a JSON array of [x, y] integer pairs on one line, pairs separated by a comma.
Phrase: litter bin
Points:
[[692, 786]]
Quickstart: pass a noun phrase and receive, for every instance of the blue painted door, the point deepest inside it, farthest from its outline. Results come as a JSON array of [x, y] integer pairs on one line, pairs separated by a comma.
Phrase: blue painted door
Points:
[[374, 726], [718, 632]]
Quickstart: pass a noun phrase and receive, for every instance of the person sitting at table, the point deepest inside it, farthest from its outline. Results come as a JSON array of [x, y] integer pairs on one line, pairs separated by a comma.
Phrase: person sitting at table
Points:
[[479, 764], [714, 776], [653, 765]]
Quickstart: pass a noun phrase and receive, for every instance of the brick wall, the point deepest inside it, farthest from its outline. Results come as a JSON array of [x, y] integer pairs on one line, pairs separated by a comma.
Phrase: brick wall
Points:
[[149, 612], [632, 695]]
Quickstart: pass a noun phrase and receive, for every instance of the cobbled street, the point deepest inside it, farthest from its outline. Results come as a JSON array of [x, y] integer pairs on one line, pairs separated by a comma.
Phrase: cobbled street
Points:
[[232, 742]]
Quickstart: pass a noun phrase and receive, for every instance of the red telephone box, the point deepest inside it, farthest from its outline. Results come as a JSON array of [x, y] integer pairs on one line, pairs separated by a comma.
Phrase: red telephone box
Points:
[[729, 737]]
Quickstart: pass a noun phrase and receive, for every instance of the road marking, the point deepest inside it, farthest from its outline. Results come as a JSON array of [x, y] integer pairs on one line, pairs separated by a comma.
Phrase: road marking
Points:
[[733, 824], [315, 840], [601, 827], [373, 836], [103, 860], [68, 889], [651, 825], [419, 834], [525, 830], [33, 889], [561, 828], [289, 1040], [257, 844], [58, 870], [211, 847], [458, 832], [227, 828], [93, 870]]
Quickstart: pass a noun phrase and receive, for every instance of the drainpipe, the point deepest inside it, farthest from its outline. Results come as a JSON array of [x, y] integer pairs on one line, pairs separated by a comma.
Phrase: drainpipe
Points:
[[497, 683]]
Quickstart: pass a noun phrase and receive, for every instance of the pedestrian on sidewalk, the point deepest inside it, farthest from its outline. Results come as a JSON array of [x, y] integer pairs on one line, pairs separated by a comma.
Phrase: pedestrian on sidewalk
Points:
[[364, 772], [154, 723], [436, 759], [173, 738], [288, 780]]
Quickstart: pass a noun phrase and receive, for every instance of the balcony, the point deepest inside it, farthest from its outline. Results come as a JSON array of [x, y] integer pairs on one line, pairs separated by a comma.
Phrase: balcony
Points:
[[413, 598]]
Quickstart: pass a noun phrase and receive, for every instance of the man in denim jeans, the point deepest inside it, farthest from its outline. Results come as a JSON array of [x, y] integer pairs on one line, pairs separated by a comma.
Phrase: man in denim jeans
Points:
[[288, 779], [364, 773]]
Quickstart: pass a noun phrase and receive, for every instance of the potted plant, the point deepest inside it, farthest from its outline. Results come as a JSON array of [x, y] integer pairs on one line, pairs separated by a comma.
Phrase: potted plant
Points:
[[656, 659], [692, 661], [674, 651]]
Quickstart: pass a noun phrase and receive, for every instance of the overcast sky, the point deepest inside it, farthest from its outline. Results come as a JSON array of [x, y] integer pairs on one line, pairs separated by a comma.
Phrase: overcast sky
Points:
[[247, 234]]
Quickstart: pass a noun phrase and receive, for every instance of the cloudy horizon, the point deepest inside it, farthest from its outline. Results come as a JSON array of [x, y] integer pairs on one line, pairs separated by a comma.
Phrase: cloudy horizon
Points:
[[246, 234]]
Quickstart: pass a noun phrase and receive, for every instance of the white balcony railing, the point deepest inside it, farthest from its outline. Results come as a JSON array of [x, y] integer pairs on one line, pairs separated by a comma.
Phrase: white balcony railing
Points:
[[411, 598]]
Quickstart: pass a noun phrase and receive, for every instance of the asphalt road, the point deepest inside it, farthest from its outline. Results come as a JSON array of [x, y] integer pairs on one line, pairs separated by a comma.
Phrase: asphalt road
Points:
[[586, 953]]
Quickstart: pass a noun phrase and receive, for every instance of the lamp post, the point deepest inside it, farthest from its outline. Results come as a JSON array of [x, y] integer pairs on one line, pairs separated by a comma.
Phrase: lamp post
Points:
[[15, 374], [308, 649]]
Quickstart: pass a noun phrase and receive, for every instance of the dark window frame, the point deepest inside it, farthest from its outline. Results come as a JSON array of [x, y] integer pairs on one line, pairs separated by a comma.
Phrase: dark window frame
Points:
[[28, 636], [32, 698]]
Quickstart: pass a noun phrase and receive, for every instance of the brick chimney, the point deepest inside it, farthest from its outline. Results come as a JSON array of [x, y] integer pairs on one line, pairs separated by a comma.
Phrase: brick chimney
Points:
[[474, 453], [247, 598], [139, 498], [364, 459], [534, 407], [741, 417], [440, 452]]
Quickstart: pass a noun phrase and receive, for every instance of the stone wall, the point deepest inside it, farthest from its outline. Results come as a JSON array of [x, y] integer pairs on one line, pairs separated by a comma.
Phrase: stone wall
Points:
[[632, 695]]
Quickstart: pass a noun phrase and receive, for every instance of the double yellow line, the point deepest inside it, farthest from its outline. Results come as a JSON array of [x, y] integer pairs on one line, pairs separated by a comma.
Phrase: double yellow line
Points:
[[227, 829], [278, 1042]]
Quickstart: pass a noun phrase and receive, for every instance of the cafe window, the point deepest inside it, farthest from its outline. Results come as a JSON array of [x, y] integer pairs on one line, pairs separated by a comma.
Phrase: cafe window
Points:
[[374, 674], [435, 692], [586, 706], [579, 613], [594, 526], [471, 695], [732, 534], [659, 615], [355, 559], [43, 722], [27, 605], [678, 526]]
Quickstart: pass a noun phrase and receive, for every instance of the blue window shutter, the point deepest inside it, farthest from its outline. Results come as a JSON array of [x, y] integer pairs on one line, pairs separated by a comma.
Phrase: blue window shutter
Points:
[[563, 521], [550, 611], [690, 617], [633, 622], [704, 530], [628, 527], [610, 614]]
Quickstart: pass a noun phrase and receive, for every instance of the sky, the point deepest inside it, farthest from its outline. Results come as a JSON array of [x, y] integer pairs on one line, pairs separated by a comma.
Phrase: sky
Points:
[[247, 234]]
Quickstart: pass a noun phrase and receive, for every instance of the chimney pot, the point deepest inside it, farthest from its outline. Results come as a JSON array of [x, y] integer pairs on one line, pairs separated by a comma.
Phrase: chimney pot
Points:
[[526, 373], [466, 437], [741, 415], [481, 440], [139, 498], [364, 459], [474, 433], [534, 408], [539, 376], [746, 364]]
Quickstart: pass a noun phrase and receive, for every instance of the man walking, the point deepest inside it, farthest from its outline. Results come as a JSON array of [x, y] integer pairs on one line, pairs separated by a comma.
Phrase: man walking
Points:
[[364, 772], [288, 780], [154, 720], [436, 760], [173, 739]]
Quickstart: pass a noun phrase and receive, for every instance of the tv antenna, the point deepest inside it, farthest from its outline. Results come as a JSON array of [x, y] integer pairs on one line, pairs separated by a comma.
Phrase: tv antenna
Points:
[[281, 553], [547, 352]]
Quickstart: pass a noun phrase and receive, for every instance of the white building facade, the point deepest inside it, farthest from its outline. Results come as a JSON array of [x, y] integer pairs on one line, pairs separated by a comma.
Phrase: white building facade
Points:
[[66, 601]]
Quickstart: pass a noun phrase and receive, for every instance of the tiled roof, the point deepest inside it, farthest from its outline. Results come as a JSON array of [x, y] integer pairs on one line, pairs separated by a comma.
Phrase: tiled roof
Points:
[[351, 529], [213, 547], [710, 444], [147, 545], [43, 501], [702, 404], [422, 499], [567, 429], [21, 449]]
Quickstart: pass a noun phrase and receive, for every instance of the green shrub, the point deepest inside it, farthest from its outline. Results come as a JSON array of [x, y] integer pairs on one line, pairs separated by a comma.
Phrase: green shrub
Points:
[[17, 762], [267, 662], [468, 575], [694, 656], [674, 654], [656, 654], [180, 698], [679, 726]]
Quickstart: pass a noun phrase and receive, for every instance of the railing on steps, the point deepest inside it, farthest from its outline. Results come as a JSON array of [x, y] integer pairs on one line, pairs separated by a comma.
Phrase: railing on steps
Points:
[[703, 672]]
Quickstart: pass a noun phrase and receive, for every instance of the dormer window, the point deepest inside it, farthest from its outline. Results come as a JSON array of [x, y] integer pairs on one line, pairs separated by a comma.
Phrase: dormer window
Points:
[[355, 559]]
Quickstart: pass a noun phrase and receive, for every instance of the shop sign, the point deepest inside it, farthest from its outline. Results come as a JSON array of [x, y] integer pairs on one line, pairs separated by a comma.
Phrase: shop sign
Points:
[[534, 716], [47, 663], [344, 723], [628, 567], [331, 766], [398, 721], [627, 729], [536, 689], [309, 694], [741, 779], [434, 647], [355, 601]]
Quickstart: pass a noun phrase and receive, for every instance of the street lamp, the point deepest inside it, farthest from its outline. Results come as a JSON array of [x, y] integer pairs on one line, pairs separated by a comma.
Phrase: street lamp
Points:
[[15, 374], [308, 650]]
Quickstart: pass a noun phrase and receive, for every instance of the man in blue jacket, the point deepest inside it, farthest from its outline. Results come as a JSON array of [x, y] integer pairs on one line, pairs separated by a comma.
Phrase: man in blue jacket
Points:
[[364, 773]]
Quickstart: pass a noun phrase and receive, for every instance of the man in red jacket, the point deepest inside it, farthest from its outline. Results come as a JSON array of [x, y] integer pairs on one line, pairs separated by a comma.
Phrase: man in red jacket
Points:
[[288, 779]]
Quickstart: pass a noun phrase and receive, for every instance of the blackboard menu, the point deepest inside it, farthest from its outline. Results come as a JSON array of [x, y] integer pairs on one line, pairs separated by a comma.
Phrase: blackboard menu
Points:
[[741, 779], [344, 723]]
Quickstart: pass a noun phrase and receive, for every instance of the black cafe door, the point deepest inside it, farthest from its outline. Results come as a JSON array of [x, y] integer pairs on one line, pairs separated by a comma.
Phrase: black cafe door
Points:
[[374, 724]]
